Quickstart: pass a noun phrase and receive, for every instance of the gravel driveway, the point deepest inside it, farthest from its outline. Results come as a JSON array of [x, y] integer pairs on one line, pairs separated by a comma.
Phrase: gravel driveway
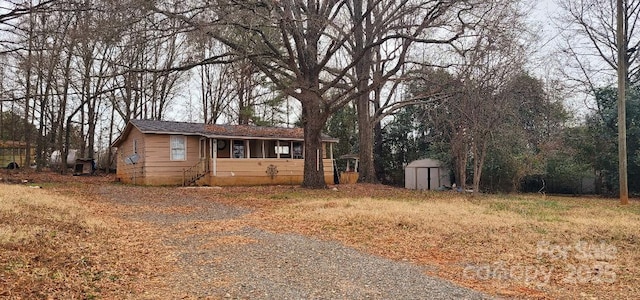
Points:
[[249, 263]]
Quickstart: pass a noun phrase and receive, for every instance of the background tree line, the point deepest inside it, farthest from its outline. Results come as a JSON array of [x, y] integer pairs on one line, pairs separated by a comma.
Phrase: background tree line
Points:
[[395, 81]]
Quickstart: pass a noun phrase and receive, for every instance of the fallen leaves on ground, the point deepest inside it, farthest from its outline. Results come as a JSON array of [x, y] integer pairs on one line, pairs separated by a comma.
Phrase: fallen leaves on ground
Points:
[[454, 236]]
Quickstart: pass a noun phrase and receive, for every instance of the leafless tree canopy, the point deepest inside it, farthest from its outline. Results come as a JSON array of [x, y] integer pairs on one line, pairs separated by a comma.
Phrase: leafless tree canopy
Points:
[[81, 69], [590, 44]]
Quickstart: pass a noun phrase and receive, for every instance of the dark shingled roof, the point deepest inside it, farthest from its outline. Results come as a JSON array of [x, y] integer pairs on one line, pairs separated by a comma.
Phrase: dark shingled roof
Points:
[[255, 131], [167, 127], [217, 131]]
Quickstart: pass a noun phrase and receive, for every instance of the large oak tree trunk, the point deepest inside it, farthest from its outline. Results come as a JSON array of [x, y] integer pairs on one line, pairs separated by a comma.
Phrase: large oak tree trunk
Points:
[[313, 120], [367, 171]]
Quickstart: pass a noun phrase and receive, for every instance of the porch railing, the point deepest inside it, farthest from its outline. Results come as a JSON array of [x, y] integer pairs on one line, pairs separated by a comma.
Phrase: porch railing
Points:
[[192, 174]]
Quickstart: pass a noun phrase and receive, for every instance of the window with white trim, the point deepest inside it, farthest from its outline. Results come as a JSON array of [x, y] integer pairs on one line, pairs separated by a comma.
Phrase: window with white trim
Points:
[[282, 149], [178, 147]]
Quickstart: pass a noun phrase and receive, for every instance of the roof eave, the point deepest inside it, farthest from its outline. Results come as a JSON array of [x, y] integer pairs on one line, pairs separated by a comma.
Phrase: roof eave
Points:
[[122, 136], [130, 126], [216, 136]]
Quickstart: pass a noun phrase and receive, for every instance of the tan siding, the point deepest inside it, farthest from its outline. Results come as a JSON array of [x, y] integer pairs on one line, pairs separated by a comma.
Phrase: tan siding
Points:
[[131, 173], [254, 171], [155, 166], [159, 166]]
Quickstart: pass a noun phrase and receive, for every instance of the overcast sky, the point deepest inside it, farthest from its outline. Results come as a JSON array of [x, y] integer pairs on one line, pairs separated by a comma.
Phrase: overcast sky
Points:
[[543, 14]]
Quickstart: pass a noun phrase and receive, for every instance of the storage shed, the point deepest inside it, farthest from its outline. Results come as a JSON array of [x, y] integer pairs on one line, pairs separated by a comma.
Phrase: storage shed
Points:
[[426, 174], [84, 166]]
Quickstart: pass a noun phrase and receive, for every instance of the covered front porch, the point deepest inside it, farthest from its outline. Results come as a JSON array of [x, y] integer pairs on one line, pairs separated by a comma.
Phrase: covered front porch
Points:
[[253, 161]]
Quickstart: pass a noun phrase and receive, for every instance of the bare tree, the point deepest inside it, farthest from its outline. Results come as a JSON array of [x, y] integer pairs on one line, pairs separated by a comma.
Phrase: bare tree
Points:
[[76, 61], [476, 107], [590, 45], [38, 42], [12, 20], [215, 84], [384, 58], [12, 10], [234, 92], [217, 92], [304, 49]]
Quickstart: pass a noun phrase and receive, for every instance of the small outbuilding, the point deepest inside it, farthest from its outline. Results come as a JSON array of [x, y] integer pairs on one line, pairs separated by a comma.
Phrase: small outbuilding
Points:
[[13, 154], [84, 166], [426, 174], [350, 174]]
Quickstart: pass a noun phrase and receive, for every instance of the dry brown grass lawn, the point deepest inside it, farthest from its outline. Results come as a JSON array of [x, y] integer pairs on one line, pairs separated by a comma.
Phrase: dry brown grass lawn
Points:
[[52, 247], [523, 246]]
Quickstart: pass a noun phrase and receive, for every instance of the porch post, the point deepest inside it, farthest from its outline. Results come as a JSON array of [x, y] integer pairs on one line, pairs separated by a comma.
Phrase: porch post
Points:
[[208, 155], [202, 153], [331, 151], [215, 157]]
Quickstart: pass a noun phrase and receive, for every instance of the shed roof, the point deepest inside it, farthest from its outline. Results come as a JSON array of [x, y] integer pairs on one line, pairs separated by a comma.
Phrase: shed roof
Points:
[[350, 156], [216, 131], [425, 163]]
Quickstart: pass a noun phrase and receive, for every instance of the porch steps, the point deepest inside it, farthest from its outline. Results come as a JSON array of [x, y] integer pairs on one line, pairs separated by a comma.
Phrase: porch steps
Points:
[[193, 180], [191, 175]]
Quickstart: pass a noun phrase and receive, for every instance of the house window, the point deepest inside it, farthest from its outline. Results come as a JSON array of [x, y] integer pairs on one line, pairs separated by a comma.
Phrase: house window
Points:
[[135, 146], [178, 148], [282, 150]]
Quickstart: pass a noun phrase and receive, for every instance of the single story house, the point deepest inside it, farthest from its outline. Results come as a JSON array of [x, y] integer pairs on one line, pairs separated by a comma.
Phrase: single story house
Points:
[[151, 152], [426, 174]]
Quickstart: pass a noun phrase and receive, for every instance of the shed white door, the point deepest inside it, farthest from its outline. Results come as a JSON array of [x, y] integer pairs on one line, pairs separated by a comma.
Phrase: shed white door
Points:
[[423, 179], [427, 178], [435, 178], [410, 178]]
